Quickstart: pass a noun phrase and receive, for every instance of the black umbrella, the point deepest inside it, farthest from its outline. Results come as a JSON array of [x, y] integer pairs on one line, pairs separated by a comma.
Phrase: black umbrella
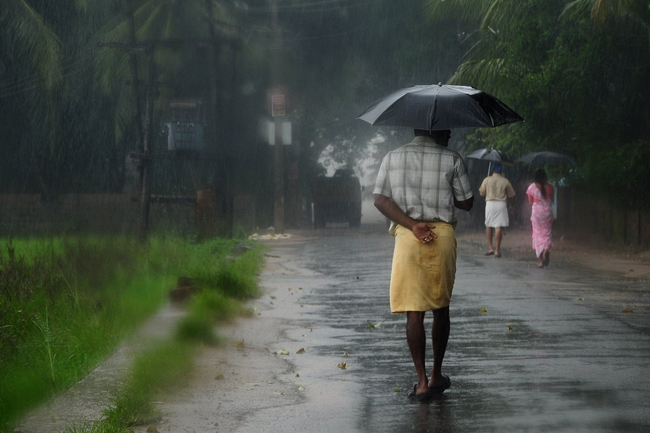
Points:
[[547, 158], [439, 106], [492, 155]]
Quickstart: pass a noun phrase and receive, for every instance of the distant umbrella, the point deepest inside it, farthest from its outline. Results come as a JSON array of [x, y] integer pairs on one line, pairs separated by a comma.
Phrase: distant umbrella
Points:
[[439, 106], [546, 158], [492, 155]]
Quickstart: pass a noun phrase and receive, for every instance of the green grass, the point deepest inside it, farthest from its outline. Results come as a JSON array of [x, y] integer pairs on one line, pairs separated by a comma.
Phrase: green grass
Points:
[[210, 306], [65, 304], [156, 370]]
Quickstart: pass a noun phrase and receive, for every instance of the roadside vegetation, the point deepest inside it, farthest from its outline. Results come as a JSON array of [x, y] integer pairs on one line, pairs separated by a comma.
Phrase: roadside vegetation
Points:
[[66, 303]]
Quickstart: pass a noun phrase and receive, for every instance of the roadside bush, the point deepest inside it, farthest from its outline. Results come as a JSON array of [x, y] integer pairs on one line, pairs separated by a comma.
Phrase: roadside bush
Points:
[[65, 304]]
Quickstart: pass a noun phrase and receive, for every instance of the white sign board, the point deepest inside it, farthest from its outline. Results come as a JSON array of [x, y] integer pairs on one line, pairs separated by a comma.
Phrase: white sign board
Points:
[[285, 129]]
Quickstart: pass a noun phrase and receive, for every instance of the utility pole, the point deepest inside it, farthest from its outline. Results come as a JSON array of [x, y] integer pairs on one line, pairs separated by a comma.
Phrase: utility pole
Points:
[[145, 195], [278, 160], [133, 66]]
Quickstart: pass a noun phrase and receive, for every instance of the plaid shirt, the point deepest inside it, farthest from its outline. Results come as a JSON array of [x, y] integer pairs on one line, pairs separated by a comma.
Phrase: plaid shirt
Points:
[[422, 178]]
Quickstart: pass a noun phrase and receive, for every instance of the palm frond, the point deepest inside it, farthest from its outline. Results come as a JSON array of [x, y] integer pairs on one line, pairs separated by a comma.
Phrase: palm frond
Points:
[[32, 38], [485, 74], [602, 10], [462, 9], [502, 12], [149, 17]]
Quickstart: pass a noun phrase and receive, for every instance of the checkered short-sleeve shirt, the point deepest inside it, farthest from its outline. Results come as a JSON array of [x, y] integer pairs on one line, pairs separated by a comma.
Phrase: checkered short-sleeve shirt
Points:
[[423, 178]]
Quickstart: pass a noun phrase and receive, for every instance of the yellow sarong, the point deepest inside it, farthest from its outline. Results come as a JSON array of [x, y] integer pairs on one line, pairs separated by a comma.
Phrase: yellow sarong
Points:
[[423, 275]]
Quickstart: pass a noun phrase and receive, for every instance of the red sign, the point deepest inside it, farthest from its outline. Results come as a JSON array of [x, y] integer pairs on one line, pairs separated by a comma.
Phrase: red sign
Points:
[[277, 105]]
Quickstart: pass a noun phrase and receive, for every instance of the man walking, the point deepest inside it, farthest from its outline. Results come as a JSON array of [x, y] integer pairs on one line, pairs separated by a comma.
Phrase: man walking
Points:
[[497, 190], [418, 187]]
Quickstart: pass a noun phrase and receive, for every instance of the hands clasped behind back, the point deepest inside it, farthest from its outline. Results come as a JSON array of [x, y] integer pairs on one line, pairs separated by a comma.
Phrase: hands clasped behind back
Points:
[[423, 231]]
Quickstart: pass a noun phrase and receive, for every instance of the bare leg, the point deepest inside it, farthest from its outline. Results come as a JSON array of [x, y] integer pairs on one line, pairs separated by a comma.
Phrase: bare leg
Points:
[[439, 338], [498, 236], [488, 233], [417, 342]]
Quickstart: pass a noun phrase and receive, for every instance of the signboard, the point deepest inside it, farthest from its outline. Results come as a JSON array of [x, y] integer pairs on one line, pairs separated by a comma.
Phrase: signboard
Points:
[[285, 133], [277, 105]]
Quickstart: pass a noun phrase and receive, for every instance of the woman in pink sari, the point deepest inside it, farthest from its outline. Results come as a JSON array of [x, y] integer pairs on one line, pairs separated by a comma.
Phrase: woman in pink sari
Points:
[[540, 196]]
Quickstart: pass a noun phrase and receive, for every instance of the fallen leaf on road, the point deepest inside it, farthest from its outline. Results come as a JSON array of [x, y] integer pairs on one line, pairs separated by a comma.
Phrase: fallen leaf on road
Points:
[[627, 310], [220, 377], [372, 326], [343, 365], [248, 385], [283, 352], [580, 299], [345, 354], [272, 297], [398, 390], [241, 345], [509, 328], [300, 388], [483, 310], [301, 350]]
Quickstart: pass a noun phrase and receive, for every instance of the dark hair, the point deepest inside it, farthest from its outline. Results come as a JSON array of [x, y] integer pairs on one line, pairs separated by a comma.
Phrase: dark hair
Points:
[[438, 135], [540, 178]]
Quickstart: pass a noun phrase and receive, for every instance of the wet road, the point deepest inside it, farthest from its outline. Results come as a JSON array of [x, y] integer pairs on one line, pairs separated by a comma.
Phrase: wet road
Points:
[[530, 350]]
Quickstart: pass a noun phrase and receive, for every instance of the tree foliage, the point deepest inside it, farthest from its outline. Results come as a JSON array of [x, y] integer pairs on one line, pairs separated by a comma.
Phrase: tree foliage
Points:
[[576, 71]]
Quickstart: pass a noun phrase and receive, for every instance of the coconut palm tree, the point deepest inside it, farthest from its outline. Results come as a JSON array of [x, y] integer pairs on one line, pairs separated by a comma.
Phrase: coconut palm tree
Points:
[[485, 64], [602, 10], [27, 38]]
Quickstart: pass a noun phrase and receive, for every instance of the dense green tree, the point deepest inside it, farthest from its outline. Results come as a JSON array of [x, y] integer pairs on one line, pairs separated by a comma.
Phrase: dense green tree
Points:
[[576, 71]]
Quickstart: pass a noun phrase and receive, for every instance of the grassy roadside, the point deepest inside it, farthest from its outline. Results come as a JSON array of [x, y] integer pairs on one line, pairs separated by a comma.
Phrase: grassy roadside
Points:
[[65, 304]]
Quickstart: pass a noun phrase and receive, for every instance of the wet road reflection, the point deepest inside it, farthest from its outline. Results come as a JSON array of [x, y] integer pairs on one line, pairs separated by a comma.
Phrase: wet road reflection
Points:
[[530, 350]]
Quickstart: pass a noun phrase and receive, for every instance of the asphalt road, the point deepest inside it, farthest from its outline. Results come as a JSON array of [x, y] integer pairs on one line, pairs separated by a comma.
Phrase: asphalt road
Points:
[[530, 349], [563, 349]]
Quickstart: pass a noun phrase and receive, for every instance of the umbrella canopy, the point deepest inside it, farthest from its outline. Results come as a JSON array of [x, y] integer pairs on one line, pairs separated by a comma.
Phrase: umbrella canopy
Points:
[[492, 155], [547, 158], [439, 106]]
